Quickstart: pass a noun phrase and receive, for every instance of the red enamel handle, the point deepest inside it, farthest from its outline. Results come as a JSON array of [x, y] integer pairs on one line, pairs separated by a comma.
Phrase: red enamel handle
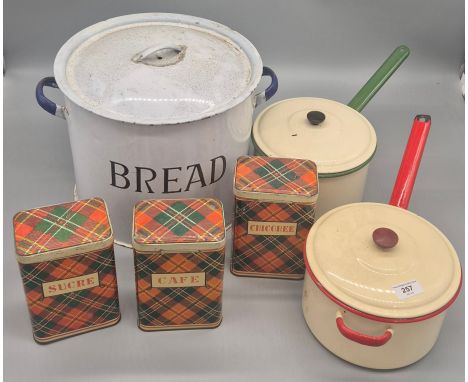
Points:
[[362, 338], [404, 183]]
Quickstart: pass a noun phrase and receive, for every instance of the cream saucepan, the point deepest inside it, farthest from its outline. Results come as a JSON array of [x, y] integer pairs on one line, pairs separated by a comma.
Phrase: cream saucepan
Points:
[[380, 278], [337, 137]]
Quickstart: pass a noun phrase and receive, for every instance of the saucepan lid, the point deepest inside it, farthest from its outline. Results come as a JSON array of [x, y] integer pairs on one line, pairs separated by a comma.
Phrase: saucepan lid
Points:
[[336, 137], [418, 276]]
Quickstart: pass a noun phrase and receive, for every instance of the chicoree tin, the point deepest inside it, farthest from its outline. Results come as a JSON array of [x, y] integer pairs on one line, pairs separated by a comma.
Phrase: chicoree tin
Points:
[[339, 139], [66, 258], [274, 210], [179, 263]]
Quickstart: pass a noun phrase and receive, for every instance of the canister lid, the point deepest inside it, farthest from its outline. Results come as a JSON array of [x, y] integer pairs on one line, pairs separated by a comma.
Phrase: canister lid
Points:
[[157, 68], [336, 137], [276, 179], [178, 225], [383, 260], [62, 230]]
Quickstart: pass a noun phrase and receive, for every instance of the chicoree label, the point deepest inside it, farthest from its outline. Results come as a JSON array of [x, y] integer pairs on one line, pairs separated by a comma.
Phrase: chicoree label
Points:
[[271, 228], [177, 280], [74, 284]]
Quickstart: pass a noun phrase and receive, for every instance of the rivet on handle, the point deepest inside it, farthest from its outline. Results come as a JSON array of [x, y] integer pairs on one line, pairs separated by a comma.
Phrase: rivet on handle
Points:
[[385, 238]]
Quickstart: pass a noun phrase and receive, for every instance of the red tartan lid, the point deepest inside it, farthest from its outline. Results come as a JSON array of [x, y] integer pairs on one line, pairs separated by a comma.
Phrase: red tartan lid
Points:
[[178, 224], [61, 230], [279, 179]]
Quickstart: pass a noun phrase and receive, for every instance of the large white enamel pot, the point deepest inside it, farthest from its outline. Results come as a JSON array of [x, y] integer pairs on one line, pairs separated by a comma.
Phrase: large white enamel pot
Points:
[[380, 278], [157, 105], [337, 137]]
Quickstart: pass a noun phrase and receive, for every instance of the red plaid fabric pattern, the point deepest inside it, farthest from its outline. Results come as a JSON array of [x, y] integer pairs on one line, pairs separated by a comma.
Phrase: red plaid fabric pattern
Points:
[[61, 226], [183, 307], [268, 255], [276, 175], [67, 314], [278, 256], [178, 221]]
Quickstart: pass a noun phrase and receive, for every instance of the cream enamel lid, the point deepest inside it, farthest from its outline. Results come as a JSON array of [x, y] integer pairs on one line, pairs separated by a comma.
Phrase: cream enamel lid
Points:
[[157, 68], [345, 260], [343, 142]]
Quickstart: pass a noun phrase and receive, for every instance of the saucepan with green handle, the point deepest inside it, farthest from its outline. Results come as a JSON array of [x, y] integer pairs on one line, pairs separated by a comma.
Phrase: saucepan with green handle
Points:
[[337, 137]]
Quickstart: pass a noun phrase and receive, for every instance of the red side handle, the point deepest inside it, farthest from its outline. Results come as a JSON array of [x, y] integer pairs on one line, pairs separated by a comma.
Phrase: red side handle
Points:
[[362, 338], [404, 183]]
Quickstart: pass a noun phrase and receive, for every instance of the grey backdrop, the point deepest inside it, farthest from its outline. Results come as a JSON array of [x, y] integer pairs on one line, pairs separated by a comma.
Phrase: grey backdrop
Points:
[[325, 48]]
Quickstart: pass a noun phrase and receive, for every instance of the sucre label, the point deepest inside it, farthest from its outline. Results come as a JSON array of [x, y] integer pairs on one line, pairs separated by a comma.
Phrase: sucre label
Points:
[[74, 284], [271, 228], [177, 280]]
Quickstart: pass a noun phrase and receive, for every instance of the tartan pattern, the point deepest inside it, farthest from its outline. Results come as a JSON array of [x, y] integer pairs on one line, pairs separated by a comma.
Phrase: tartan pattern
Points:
[[272, 256], [61, 226], [178, 221], [276, 175], [64, 315], [170, 308]]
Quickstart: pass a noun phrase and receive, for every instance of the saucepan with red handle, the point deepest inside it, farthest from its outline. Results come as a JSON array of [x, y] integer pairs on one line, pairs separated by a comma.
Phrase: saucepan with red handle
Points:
[[380, 278]]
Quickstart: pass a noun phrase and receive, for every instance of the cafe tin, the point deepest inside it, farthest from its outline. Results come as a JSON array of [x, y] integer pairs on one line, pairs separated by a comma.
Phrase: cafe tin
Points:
[[66, 259], [179, 263], [274, 210]]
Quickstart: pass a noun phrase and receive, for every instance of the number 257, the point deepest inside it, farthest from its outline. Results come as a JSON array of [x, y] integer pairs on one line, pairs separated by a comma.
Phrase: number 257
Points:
[[407, 289]]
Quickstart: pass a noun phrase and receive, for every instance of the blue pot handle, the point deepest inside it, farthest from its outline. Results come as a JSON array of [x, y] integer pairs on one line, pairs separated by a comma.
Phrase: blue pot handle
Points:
[[270, 91], [48, 105]]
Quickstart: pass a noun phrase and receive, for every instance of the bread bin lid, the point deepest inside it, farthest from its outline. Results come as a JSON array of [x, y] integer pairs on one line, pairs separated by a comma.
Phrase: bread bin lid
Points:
[[336, 137], [178, 225], [157, 68], [418, 276], [62, 230]]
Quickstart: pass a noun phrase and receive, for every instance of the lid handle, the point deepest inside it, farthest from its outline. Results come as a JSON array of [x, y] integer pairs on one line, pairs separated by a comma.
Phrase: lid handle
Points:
[[378, 79], [315, 117], [160, 55], [406, 177], [385, 238]]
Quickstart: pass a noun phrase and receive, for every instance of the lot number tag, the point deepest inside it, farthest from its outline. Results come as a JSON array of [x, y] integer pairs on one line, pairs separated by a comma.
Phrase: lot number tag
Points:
[[407, 290]]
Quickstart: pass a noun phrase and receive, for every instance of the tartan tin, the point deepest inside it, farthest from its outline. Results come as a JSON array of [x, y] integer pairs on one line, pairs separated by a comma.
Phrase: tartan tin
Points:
[[179, 263], [274, 211], [66, 258]]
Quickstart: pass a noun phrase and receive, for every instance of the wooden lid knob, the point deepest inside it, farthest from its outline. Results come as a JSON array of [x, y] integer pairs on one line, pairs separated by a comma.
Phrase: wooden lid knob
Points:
[[385, 238]]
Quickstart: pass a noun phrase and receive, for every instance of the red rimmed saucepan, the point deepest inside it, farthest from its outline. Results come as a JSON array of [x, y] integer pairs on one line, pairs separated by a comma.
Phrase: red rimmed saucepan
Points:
[[379, 277]]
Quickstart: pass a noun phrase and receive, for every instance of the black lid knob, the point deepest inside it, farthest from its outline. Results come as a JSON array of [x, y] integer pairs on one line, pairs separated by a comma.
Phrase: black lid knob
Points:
[[315, 117]]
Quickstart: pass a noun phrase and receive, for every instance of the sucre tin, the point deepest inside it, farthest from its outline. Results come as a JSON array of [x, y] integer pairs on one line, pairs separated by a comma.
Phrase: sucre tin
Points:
[[274, 210], [179, 263], [66, 259]]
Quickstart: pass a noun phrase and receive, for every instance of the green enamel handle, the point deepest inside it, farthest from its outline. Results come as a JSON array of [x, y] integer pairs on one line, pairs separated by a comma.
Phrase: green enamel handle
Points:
[[368, 91]]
